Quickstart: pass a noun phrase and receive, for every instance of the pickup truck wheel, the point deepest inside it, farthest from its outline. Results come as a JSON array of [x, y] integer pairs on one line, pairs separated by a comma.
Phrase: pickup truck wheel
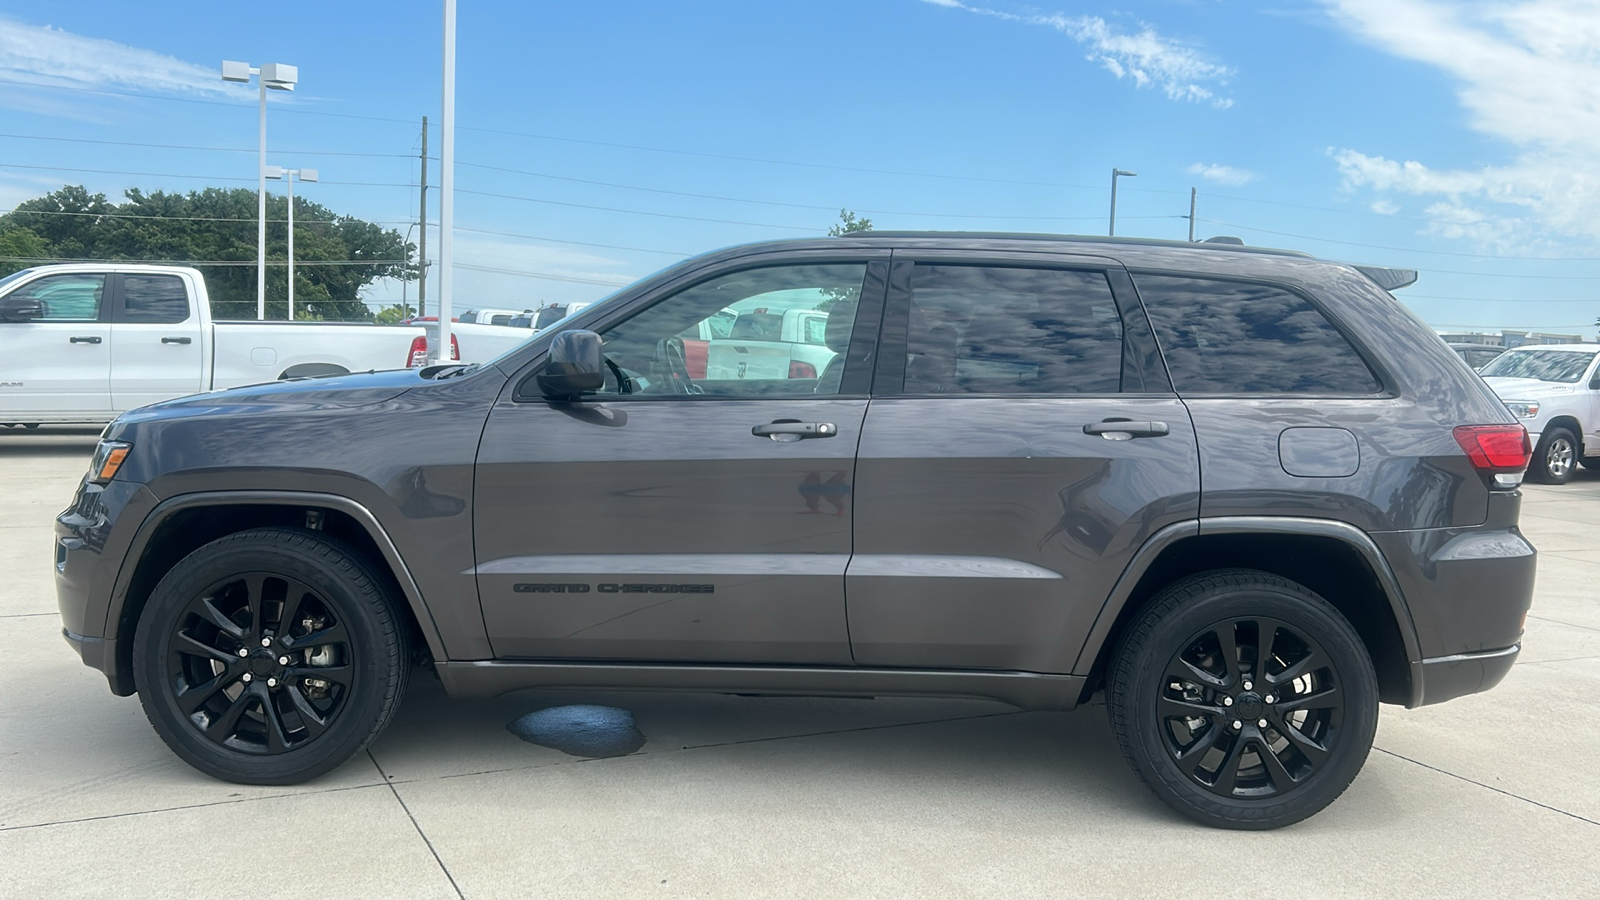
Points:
[[1556, 457], [1243, 700], [269, 656]]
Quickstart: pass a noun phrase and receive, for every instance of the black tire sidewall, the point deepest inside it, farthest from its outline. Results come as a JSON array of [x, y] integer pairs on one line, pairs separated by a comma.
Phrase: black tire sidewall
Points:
[[1540, 467], [354, 593], [1140, 675]]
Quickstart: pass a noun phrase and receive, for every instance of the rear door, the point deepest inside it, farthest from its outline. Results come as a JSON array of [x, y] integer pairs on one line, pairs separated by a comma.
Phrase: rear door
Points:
[[58, 366], [674, 517], [157, 351], [1022, 443]]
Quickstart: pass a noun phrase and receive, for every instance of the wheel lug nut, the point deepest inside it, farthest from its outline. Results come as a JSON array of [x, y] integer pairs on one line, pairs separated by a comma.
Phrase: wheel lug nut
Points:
[[283, 660], [243, 652], [1247, 685], [1227, 701], [266, 642], [1261, 724], [246, 678], [1272, 698], [273, 682], [1237, 725]]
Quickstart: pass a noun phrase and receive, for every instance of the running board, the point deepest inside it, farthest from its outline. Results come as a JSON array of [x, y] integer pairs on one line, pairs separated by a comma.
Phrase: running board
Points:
[[1025, 690]]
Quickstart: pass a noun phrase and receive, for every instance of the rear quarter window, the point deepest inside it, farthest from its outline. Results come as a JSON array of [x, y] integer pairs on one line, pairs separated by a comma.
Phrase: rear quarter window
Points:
[[1231, 337]]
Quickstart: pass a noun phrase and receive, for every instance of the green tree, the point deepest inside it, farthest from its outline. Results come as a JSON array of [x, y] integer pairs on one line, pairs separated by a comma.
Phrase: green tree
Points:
[[391, 315], [18, 248], [849, 224], [214, 230]]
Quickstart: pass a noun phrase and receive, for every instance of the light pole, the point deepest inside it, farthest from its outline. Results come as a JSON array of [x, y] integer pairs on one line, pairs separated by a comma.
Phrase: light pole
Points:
[[278, 77], [447, 181], [288, 176], [1115, 174]]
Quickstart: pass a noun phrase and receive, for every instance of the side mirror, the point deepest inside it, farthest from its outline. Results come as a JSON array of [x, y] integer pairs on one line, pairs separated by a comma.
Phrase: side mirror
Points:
[[20, 309], [576, 366]]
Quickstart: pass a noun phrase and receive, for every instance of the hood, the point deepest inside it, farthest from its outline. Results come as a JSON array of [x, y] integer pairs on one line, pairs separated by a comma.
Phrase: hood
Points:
[[324, 392], [1528, 388]]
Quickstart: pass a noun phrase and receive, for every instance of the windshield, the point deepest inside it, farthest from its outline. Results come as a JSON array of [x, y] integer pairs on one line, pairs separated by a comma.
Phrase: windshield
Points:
[[1546, 365], [14, 277]]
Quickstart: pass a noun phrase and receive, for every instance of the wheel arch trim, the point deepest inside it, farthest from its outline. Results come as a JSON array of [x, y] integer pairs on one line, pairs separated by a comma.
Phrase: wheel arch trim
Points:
[[362, 516], [1178, 532]]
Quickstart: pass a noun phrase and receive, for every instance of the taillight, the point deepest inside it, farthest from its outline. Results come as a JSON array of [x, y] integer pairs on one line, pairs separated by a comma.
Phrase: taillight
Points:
[[418, 357], [798, 369], [1502, 451]]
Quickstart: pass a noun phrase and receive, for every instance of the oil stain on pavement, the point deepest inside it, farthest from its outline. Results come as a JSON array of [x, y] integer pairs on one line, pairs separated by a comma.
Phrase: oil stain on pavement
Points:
[[581, 730]]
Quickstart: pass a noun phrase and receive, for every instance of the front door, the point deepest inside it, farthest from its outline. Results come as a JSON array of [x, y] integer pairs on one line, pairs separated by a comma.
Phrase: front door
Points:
[[57, 367], [1022, 444], [157, 347], [673, 516]]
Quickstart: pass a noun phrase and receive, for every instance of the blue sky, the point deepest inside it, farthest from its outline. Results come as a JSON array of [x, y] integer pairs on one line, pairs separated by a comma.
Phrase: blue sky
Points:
[[598, 142]]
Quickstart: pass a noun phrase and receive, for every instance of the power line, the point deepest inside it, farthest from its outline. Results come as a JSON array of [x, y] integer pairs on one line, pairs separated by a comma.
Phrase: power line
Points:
[[829, 208], [38, 137], [1404, 249], [547, 276], [534, 237], [636, 212], [1594, 300], [201, 177], [205, 262]]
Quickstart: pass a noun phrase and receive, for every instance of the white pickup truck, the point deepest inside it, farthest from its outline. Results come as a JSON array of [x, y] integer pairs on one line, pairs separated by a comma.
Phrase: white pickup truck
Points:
[[766, 343], [1554, 390], [82, 343]]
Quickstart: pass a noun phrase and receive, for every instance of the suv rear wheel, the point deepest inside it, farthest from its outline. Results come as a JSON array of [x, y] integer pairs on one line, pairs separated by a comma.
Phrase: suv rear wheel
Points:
[[1243, 700], [269, 656]]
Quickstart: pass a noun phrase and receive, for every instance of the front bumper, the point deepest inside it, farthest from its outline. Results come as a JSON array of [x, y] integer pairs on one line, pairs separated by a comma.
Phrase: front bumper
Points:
[[89, 552]]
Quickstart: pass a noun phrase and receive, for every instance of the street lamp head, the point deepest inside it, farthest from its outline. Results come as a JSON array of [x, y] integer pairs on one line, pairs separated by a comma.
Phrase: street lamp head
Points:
[[273, 172], [1116, 172], [307, 175], [279, 77], [235, 71]]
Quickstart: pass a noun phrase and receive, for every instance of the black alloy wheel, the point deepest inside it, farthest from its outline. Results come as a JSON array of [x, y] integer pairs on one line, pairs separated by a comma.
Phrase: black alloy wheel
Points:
[[270, 656], [261, 663], [1243, 700], [1250, 708]]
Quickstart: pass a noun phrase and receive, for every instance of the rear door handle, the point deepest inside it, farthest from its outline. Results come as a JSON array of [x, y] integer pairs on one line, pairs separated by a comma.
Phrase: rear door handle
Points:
[[175, 340], [91, 339], [788, 430], [1123, 429]]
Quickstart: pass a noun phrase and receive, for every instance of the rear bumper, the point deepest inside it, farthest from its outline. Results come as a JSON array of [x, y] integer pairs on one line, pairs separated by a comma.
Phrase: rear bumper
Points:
[[1448, 677]]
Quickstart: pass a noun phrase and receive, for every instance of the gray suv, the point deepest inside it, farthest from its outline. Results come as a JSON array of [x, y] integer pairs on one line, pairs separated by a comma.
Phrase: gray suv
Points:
[[1243, 493]]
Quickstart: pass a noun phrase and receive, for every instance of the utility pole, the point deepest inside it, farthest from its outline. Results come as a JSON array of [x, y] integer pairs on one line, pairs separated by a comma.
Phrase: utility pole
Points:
[[447, 164], [1192, 193], [422, 239]]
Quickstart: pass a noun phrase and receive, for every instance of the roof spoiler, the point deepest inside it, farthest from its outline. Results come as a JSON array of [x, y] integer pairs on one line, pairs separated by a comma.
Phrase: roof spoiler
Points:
[[1387, 278]]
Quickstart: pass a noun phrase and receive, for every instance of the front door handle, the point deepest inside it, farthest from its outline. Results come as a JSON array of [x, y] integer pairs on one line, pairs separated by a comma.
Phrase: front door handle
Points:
[[786, 430], [175, 340], [1124, 429], [91, 339]]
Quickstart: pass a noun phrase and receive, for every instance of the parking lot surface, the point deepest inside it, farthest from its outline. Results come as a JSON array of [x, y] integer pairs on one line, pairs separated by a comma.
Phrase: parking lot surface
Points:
[[1494, 795]]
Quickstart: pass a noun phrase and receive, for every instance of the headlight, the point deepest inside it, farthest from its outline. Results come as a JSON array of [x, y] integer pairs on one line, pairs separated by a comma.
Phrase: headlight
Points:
[[108, 458], [1523, 409]]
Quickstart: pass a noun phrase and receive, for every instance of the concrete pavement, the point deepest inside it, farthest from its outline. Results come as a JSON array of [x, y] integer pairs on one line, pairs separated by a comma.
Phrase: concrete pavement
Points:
[[1493, 795]]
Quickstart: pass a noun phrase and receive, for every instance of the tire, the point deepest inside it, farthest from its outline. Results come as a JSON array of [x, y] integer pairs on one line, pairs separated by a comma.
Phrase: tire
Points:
[[306, 694], [1297, 764], [1556, 457]]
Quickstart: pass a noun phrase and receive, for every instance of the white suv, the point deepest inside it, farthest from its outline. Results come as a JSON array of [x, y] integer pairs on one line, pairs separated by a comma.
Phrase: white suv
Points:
[[1555, 391]]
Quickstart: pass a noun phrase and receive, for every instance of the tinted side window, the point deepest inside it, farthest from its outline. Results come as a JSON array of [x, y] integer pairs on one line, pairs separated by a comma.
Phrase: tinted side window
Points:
[[154, 298], [1005, 330], [1227, 337], [66, 298]]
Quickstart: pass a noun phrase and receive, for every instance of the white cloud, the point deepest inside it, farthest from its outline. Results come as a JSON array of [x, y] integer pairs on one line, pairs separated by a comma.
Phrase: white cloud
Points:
[[1146, 57], [1528, 73], [1222, 174], [47, 56], [1385, 207]]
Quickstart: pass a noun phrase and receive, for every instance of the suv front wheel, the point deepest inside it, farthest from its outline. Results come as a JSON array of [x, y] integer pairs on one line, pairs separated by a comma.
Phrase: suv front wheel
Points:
[[270, 656], [1243, 700]]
